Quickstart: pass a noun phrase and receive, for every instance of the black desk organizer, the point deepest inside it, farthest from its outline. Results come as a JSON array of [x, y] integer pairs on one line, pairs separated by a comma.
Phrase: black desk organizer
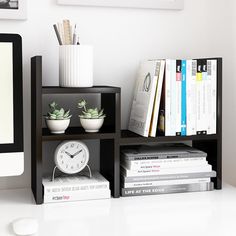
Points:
[[111, 137]]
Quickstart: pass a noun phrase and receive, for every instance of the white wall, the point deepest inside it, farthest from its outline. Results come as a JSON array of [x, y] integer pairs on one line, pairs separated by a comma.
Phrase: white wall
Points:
[[121, 38]]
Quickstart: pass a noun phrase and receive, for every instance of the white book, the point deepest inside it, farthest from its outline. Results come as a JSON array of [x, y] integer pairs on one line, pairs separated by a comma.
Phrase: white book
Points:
[[199, 91], [166, 182], [151, 129], [208, 97], [178, 93], [205, 101], [75, 183], [167, 171], [201, 87], [170, 98], [173, 99], [165, 161], [72, 196], [212, 95], [157, 101], [144, 94], [191, 96], [168, 93], [179, 164]]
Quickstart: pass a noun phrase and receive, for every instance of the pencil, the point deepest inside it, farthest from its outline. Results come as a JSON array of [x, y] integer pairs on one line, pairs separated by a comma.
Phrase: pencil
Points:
[[57, 34]]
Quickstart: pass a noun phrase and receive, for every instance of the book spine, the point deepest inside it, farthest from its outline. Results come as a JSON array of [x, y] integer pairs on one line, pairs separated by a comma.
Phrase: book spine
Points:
[[191, 97], [163, 161], [68, 197], [205, 101], [209, 174], [183, 99], [166, 182], [209, 98], [212, 77], [199, 87], [181, 188], [178, 97], [157, 101], [173, 99], [74, 187], [168, 98], [214, 96], [162, 156], [134, 166], [167, 171]]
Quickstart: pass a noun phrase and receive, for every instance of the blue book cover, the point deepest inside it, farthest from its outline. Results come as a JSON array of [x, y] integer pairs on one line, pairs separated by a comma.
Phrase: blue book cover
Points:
[[183, 100]]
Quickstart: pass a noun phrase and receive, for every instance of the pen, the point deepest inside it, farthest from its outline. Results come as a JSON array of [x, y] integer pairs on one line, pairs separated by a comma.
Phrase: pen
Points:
[[75, 36], [78, 41]]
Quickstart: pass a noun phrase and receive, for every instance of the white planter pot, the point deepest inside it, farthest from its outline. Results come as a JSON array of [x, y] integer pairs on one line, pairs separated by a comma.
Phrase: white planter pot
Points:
[[57, 126], [91, 125]]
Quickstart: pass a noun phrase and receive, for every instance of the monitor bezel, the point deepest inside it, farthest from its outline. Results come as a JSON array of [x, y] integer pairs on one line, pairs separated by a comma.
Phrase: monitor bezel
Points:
[[17, 145]]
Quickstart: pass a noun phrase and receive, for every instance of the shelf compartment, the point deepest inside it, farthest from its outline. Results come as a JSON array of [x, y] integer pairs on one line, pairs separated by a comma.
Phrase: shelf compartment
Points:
[[74, 133], [130, 138], [95, 89]]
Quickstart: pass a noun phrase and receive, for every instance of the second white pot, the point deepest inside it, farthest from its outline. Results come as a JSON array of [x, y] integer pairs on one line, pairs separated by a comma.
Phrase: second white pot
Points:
[[91, 125]]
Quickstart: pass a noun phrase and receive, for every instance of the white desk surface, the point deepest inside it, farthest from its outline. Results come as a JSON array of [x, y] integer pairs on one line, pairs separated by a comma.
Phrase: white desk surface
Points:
[[190, 214]]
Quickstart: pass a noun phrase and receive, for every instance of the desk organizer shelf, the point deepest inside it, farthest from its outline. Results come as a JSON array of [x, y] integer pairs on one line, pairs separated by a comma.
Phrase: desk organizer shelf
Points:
[[111, 137]]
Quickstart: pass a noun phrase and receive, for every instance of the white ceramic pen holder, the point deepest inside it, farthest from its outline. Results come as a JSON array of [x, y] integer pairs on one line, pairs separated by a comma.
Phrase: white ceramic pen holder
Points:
[[76, 66]]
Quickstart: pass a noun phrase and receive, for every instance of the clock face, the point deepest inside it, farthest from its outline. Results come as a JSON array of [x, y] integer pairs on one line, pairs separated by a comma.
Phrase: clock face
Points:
[[71, 157]]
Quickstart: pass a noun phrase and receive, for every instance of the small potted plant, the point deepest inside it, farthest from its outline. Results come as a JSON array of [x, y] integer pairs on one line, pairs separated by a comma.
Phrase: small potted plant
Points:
[[91, 119], [57, 119]]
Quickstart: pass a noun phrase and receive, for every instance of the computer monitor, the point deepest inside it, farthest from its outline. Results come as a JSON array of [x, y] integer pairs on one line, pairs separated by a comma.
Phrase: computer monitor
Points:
[[11, 106]]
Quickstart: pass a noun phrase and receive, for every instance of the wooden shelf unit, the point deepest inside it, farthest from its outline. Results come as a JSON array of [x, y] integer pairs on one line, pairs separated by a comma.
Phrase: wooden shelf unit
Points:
[[108, 135], [111, 137]]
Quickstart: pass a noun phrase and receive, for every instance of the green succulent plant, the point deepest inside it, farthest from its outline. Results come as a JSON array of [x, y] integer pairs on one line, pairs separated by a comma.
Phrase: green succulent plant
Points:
[[57, 113], [90, 113]]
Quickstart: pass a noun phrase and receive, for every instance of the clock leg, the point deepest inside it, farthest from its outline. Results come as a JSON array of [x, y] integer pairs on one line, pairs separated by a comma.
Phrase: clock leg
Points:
[[90, 173], [53, 173]]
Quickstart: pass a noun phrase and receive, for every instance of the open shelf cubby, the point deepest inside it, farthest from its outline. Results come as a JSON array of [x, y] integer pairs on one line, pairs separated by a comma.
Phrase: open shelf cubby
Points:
[[111, 137]]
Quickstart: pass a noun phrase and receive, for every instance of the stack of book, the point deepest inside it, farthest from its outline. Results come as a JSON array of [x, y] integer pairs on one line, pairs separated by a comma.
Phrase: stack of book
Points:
[[170, 168], [75, 188], [185, 91]]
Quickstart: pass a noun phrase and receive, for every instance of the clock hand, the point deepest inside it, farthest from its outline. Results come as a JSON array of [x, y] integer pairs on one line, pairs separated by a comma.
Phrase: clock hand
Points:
[[68, 154], [77, 153]]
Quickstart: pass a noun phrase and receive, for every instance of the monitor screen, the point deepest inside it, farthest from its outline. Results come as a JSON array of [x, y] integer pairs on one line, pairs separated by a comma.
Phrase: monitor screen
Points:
[[6, 93]]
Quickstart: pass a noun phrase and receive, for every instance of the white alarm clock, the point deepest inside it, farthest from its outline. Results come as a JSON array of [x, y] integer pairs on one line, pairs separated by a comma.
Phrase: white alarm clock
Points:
[[71, 157]]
